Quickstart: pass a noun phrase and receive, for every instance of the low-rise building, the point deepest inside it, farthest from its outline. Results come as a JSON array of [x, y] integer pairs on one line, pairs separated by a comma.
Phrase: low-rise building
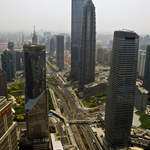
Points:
[[57, 145]]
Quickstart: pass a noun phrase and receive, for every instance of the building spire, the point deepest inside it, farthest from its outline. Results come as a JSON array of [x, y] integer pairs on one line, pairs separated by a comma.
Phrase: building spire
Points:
[[34, 30], [34, 38]]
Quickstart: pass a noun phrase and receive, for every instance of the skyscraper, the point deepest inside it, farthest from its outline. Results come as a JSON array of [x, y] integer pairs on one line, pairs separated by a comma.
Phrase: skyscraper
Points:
[[147, 70], [8, 64], [122, 86], [141, 63], [60, 51], [8, 135], [35, 96], [52, 47], [99, 54], [88, 45], [77, 11], [34, 38]]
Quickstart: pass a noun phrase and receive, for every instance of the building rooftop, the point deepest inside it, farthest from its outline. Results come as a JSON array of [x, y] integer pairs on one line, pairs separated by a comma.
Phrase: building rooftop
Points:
[[28, 47], [141, 89], [57, 145]]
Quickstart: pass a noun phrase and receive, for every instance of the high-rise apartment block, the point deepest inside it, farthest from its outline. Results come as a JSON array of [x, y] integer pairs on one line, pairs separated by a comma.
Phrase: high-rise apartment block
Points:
[[35, 96], [88, 45], [141, 63], [76, 26], [122, 88], [147, 70], [8, 136], [60, 51], [3, 83]]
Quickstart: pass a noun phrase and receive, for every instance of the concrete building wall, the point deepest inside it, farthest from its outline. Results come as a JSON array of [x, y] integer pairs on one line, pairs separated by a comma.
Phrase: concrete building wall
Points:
[[122, 87], [88, 45], [60, 51]]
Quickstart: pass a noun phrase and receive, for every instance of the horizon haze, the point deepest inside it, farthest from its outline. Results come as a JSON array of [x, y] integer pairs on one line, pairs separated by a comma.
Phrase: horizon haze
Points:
[[55, 16]]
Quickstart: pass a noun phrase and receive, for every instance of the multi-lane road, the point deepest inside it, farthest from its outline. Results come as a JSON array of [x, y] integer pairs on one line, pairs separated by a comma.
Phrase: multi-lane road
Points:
[[90, 141]]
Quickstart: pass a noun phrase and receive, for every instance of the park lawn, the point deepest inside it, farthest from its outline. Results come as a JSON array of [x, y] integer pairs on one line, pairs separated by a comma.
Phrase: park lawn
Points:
[[16, 89], [145, 120], [95, 101]]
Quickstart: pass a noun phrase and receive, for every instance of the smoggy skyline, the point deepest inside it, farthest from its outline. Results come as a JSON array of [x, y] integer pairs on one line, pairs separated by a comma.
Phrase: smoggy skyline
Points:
[[55, 15]]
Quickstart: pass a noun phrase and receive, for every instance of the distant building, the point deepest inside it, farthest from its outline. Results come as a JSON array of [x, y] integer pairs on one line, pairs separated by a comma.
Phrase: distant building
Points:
[[147, 70], [3, 83], [141, 98], [60, 51], [34, 38], [19, 60], [88, 45], [35, 96], [8, 135], [141, 63], [11, 46], [122, 88], [52, 47], [68, 43], [76, 25], [9, 64], [3, 46], [99, 54]]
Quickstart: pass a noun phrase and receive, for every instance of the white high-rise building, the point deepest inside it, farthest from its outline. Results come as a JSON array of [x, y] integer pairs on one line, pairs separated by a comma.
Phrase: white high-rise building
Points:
[[141, 63]]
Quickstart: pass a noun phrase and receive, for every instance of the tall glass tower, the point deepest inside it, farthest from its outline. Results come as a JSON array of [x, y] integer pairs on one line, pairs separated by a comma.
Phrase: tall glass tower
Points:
[[88, 45], [122, 86], [147, 70], [76, 24]]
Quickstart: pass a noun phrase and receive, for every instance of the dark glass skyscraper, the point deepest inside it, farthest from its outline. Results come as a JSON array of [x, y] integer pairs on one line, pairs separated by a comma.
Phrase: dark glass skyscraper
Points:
[[122, 86], [60, 51], [88, 45], [9, 64], [76, 24], [35, 70], [147, 70], [35, 96]]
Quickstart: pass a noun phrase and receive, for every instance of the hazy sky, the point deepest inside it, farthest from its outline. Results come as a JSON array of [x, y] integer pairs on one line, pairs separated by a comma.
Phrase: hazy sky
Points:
[[55, 15]]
